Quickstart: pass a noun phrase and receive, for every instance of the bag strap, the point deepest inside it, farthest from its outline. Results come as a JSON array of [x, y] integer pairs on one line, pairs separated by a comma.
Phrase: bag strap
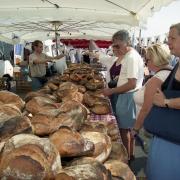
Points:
[[165, 69], [172, 75]]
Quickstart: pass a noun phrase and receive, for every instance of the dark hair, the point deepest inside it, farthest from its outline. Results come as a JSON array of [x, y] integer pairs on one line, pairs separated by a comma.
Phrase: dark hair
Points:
[[36, 43], [122, 35], [177, 26]]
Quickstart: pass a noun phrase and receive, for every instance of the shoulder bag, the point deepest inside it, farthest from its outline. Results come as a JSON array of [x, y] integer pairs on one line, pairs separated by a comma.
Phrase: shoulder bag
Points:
[[162, 121]]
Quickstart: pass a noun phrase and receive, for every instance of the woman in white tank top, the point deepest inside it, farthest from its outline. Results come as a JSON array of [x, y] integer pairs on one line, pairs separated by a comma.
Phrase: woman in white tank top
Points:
[[157, 59]]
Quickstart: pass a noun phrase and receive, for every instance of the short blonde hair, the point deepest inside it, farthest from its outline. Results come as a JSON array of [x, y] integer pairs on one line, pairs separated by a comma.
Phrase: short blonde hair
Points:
[[160, 54]]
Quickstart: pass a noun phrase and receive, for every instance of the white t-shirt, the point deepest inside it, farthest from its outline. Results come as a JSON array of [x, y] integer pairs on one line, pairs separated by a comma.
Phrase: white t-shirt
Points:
[[72, 55], [107, 61], [139, 95], [132, 66], [37, 70]]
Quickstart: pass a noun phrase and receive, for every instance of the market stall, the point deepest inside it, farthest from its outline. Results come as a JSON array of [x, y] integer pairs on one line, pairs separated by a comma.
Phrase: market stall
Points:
[[66, 130]]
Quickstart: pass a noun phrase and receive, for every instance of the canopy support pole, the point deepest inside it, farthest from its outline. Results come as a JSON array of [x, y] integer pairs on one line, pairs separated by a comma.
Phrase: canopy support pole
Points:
[[140, 41], [56, 39]]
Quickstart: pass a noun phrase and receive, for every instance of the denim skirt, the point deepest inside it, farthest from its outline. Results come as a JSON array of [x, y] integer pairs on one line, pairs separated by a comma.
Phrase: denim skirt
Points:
[[126, 110]]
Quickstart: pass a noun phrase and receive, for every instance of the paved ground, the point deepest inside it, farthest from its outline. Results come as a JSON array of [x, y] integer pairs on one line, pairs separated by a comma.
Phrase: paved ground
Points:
[[138, 166]]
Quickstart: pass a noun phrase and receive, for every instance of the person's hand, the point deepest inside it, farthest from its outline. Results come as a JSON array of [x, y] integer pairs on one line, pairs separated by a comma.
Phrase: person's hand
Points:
[[58, 57], [134, 132], [159, 98], [107, 92], [86, 52]]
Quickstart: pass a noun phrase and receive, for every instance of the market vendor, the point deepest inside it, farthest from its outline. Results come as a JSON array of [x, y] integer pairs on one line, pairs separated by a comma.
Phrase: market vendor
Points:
[[37, 64]]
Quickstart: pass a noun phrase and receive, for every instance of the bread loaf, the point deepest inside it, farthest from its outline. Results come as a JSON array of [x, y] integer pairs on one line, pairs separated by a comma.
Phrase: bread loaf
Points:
[[119, 169], [13, 126], [29, 157], [102, 144], [42, 105], [70, 143], [7, 97], [94, 171]]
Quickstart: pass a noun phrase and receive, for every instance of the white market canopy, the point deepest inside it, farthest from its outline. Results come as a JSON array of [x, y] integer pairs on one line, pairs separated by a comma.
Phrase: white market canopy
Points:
[[83, 19]]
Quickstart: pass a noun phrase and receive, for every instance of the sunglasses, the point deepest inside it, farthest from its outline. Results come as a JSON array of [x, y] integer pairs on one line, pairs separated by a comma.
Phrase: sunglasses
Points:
[[116, 46]]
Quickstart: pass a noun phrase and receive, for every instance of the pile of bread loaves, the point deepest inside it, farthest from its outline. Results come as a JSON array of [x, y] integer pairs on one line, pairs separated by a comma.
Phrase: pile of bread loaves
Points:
[[48, 136], [81, 83]]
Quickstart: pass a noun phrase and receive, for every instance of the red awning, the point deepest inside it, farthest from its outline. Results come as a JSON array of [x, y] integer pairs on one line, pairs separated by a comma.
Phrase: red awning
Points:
[[83, 43]]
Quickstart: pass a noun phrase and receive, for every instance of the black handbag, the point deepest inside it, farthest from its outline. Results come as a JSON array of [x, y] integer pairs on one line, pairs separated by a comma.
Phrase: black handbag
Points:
[[162, 121], [112, 83]]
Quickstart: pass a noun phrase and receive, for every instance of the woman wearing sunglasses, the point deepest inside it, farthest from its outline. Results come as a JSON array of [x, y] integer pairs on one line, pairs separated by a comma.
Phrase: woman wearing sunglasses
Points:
[[130, 79]]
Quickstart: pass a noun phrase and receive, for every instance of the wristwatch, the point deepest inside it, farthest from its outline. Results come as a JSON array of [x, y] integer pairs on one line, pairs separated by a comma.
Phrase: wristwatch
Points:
[[166, 103]]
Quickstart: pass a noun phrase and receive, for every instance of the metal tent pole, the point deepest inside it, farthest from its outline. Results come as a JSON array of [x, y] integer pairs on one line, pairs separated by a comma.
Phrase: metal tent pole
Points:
[[56, 39]]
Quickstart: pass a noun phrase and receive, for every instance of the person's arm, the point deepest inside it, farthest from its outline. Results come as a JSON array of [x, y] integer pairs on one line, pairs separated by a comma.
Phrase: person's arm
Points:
[[55, 58], [95, 55], [173, 103], [39, 61], [131, 84], [33, 60], [160, 100], [132, 74], [47, 59], [150, 90], [103, 58]]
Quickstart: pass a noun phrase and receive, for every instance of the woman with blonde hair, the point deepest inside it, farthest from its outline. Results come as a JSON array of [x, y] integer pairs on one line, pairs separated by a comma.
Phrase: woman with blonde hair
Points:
[[157, 59]]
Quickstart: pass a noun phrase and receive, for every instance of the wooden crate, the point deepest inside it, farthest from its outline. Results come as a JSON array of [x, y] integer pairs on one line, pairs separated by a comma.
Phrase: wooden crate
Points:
[[23, 86], [18, 76], [2, 85]]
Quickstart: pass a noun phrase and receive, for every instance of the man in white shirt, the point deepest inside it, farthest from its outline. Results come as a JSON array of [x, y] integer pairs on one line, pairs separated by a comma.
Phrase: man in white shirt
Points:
[[130, 79]]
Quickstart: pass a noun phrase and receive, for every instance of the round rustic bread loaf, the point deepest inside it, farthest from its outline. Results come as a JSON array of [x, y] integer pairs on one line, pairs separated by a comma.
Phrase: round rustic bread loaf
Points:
[[94, 171], [42, 105], [102, 144], [26, 156], [7, 97], [70, 143]]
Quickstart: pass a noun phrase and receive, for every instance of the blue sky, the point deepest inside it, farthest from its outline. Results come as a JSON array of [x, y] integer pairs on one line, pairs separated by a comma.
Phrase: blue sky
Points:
[[160, 22]]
